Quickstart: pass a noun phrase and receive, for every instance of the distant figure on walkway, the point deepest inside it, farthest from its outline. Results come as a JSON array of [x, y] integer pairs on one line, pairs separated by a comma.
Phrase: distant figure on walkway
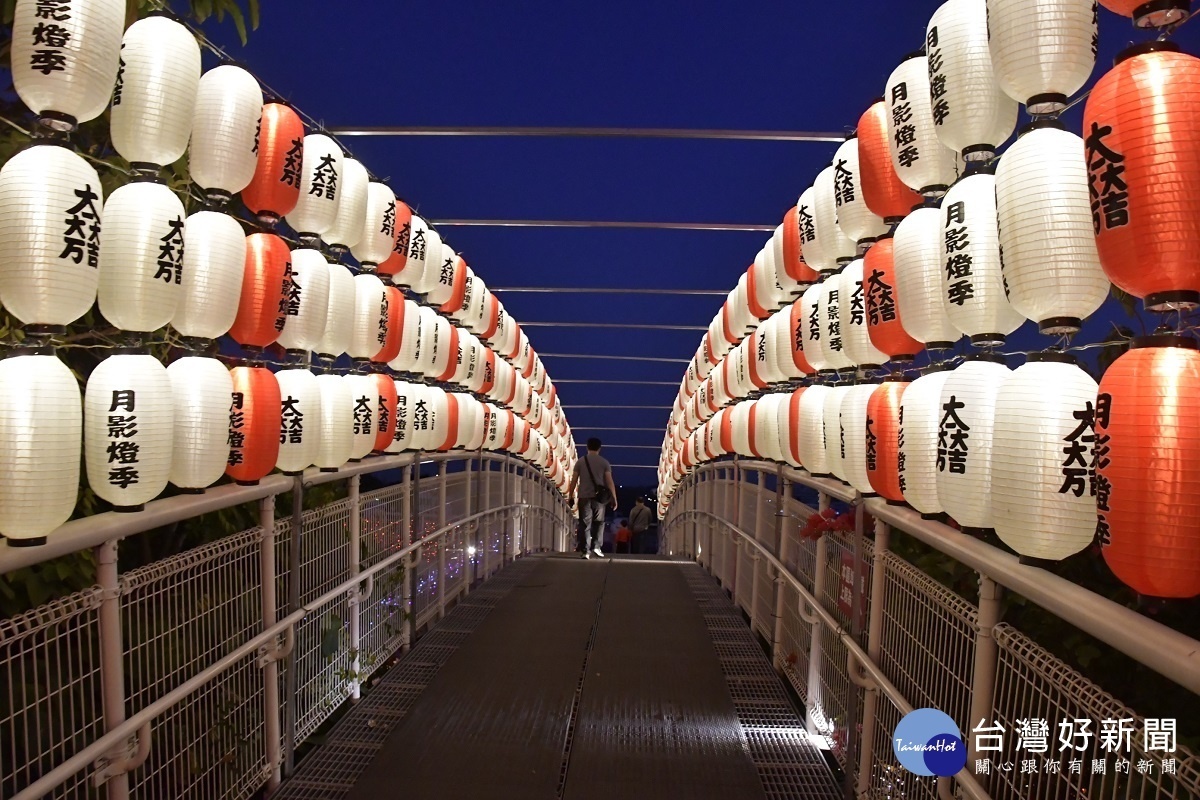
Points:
[[639, 524], [623, 538], [593, 476]]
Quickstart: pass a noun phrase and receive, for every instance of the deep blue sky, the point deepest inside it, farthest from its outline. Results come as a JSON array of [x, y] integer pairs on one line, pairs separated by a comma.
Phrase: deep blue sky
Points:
[[636, 63]]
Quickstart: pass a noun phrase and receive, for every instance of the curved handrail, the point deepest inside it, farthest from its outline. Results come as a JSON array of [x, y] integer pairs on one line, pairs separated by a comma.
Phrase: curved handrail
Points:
[[137, 722]]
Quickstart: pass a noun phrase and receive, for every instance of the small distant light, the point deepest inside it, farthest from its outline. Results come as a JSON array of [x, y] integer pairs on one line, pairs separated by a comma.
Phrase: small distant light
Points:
[[471, 551]]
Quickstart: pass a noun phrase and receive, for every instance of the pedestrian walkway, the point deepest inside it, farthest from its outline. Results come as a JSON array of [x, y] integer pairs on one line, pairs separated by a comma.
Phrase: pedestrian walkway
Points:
[[585, 680]]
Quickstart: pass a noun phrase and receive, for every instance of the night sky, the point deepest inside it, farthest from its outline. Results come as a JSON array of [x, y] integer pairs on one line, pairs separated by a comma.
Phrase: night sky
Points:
[[625, 63]]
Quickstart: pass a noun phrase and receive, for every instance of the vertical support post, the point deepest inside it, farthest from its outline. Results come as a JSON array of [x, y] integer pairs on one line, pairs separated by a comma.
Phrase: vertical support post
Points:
[[470, 539], [505, 500], [112, 655], [489, 522], [760, 513], [883, 537], [983, 679], [293, 602], [443, 543], [856, 631], [406, 539], [732, 542], [815, 717], [354, 602], [517, 524], [270, 672], [781, 539]]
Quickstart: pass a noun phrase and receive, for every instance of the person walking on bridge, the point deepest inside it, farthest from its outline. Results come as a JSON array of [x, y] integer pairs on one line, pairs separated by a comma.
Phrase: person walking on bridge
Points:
[[639, 523], [593, 477]]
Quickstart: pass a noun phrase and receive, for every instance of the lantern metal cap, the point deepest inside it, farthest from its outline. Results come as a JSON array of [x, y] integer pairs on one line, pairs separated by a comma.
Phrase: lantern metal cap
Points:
[[1161, 13], [985, 339], [1052, 357], [1145, 48], [1177, 300], [1046, 103], [1053, 123], [32, 541], [1163, 340], [991, 358], [31, 349]]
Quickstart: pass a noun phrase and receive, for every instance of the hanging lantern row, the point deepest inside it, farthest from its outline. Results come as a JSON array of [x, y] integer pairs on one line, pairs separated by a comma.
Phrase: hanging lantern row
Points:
[[916, 235], [141, 425]]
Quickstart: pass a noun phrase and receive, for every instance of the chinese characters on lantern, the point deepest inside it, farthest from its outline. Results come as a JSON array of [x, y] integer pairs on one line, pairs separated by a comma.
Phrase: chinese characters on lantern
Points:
[[1106, 182], [78, 217], [49, 38], [291, 163], [1103, 489], [952, 438], [882, 297], [905, 129], [170, 254], [291, 427], [362, 415], [937, 79], [237, 421], [1079, 462], [835, 324], [958, 261], [122, 450], [324, 180]]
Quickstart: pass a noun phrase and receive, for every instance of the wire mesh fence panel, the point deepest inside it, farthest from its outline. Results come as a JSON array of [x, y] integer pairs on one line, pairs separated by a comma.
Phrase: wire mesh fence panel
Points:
[[381, 613], [50, 705], [180, 616], [796, 642], [799, 552], [837, 595], [888, 780], [322, 656], [830, 709], [764, 599], [744, 578], [927, 642], [1044, 749]]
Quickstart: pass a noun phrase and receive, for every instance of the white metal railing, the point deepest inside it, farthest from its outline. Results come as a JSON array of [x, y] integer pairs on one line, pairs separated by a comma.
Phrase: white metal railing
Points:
[[901, 640], [199, 675]]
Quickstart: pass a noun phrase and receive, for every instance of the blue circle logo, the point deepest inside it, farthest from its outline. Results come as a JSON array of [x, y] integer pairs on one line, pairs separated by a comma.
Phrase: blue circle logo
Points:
[[927, 742]]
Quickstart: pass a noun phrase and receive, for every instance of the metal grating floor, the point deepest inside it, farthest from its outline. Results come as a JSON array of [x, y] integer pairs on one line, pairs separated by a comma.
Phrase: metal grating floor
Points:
[[585, 680]]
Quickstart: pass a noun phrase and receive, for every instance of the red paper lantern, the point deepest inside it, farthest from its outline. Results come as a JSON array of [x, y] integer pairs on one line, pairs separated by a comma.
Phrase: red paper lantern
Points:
[[1148, 467], [393, 264], [1150, 13], [489, 371], [275, 187], [752, 295], [883, 309], [1141, 128], [253, 424], [395, 326], [793, 427], [752, 429], [389, 399], [883, 440], [793, 259], [263, 306], [883, 191], [491, 316], [796, 323]]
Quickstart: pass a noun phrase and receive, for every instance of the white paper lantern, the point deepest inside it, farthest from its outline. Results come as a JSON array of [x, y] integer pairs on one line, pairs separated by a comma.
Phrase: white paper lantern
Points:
[[370, 320], [335, 423], [300, 420], [224, 149], [417, 251], [431, 419], [1043, 501], [200, 388], [853, 217], [320, 182], [811, 436], [772, 352], [155, 95], [351, 216], [921, 160], [712, 433], [478, 301], [51, 203], [917, 259], [307, 300], [972, 278], [364, 413], [741, 430], [141, 256], [410, 339], [41, 424], [971, 114], [214, 260], [920, 412], [441, 288], [769, 439], [789, 422], [497, 423], [853, 314], [767, 295], [65, 57], [437, 252], [853, 422], [831, 420], [1043, 51], [835, 247], [443, 350], [967, 415], [834, 292], [470, 426], [128, 430], [814, 328], [378, 236], [340, 313], [1052, 270], [406, 396], [789, 287]]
